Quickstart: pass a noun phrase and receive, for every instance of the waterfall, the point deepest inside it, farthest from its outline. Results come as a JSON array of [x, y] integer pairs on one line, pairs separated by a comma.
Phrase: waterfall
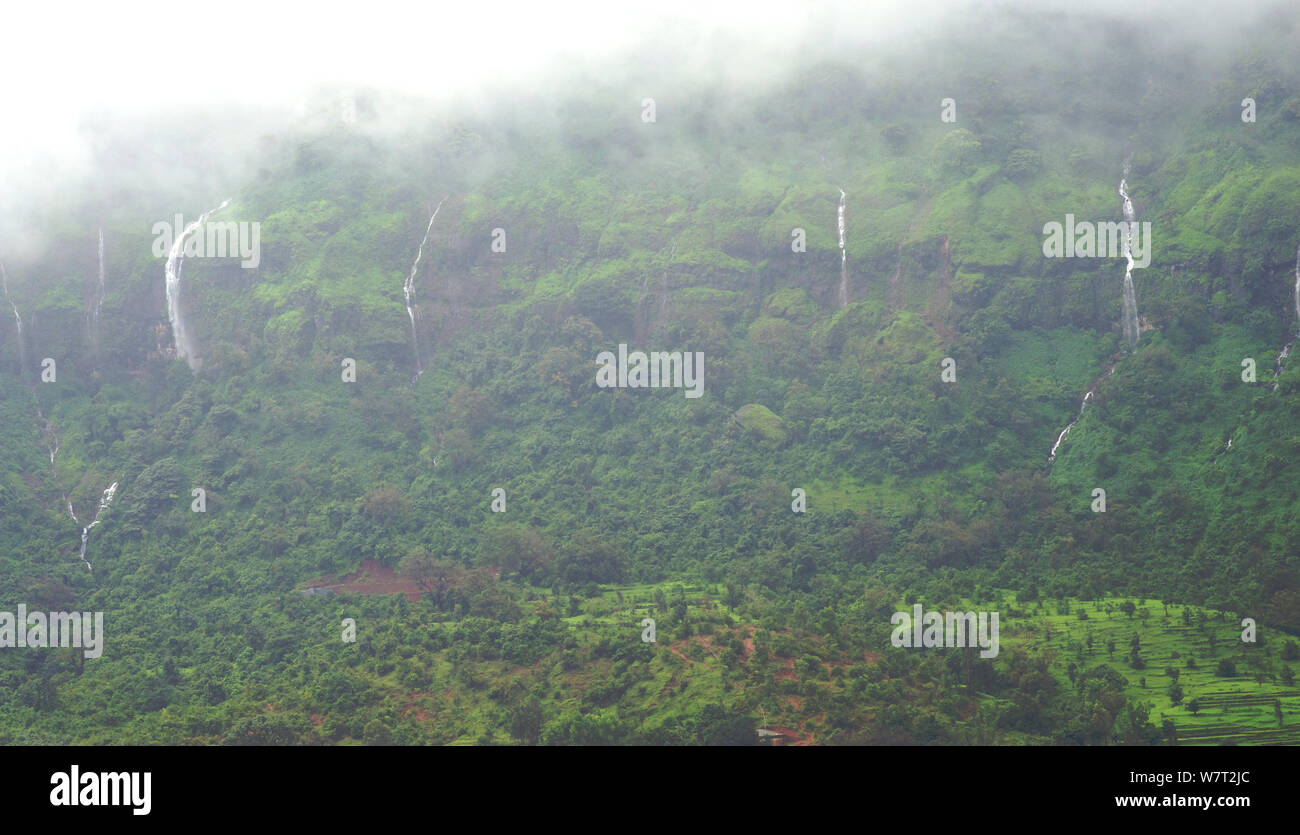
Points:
[[1130, 300], [22, 340], [99, 299], [180, 331], [1297, 287], [1286, 349], [844, 257], [52, 446], [104, 501], [1051, 456], [408, 290]]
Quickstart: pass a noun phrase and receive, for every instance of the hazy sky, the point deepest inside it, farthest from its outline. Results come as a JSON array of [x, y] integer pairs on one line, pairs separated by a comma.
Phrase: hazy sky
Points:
[[129, 58]]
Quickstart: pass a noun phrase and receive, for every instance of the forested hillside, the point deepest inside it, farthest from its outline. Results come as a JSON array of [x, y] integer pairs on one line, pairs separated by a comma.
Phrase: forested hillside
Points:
[[401, 408]]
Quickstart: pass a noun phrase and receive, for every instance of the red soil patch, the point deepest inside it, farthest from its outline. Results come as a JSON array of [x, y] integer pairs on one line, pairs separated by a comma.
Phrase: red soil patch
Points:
[[872, 657], [421, 715], [317, 719], [373, 577], [705, 641], [675, 649]]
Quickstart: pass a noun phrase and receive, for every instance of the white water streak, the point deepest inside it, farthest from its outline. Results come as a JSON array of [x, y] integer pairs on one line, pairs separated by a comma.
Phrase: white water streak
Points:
[[22, 340], [408, 290], [1297, 287], [104, 501], [1051, 456], [1130, 298], [99, 297], [180, 331], [1286, 349], [844, 256]]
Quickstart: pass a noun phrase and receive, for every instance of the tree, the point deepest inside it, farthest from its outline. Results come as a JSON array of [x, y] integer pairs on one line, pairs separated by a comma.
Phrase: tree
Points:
[[1226, 668], [1172, 672], [384, 504], [957, 151], [1128, 608], [431, 576], [588, 558], [717, 726], [1194, 705], [526, 720], [377, 733], [469, 409], [1022, 163], [1175, 693], [420, 567], [515, 549]]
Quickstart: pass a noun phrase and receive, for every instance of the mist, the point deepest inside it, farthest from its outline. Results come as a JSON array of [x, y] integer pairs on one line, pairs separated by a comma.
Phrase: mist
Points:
[[128, 111]]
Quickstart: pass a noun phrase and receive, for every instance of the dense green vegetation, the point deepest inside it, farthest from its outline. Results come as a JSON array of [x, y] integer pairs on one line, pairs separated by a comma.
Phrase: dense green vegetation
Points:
[[623, 504]]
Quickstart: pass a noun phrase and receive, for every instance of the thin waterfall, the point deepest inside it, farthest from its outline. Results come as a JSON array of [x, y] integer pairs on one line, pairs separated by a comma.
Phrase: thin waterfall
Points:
[[1130, 299], [844, 257], [104, 501], [22, 339], [1297, 287], [1051, 456], [99, 300], [180, 330], [50, 439], [1286, 349], [408, 290]]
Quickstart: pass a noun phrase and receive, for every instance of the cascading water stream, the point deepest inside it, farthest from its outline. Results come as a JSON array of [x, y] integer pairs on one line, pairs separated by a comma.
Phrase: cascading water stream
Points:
[[104, 501], [844, 257], [50, 435], [52, 445], [1051, 456], [1130, 323], [408, 290], [22, 339], [1130, 299], [99, 298], [180, 331], [1286, 349]]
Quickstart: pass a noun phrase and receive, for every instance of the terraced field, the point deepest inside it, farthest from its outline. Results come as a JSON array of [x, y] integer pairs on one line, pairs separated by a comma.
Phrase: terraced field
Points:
[[1252, 706]]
